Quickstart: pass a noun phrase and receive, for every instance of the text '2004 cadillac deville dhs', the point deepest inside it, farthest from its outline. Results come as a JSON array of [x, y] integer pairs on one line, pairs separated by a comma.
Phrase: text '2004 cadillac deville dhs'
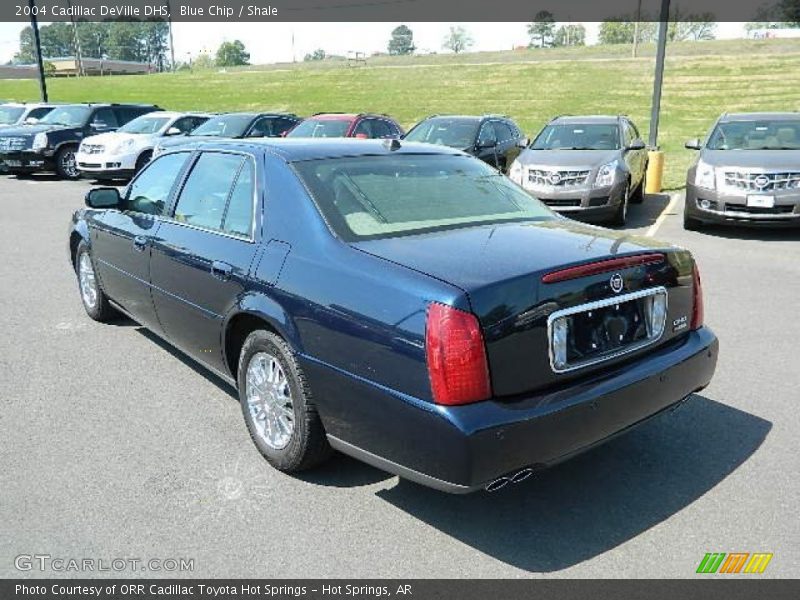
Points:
[[402, 303]]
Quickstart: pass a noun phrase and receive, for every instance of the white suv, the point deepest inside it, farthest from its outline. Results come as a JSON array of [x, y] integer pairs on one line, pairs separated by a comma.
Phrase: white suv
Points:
[[122, 153]]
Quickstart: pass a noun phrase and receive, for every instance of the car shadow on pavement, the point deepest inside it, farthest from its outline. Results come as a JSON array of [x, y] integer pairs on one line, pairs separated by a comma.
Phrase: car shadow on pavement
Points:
[[599, 500], [645, 214], [762, 234]]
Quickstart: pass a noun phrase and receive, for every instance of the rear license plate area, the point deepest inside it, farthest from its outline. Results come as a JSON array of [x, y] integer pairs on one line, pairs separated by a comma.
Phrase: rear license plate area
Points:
[[597, 331]]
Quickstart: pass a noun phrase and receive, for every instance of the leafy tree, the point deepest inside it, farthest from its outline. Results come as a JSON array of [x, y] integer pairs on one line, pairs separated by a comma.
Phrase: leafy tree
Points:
[[542, 29], [684, 26], [203, 62], [570, 35], [621, 32], [232, 54], [457, 40], [318, 54], [402, 41]]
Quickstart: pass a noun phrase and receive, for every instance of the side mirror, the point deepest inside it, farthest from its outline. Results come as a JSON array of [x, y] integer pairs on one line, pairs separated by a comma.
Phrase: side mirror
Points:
[[487, 144], [693, 144], [173, 131], [103, 197], [636, 144], [524, 142]]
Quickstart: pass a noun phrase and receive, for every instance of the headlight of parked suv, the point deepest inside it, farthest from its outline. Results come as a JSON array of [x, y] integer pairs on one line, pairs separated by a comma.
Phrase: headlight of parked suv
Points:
[[40, 141], [122, 147], [704, 175], [606, 174], [515, 172]]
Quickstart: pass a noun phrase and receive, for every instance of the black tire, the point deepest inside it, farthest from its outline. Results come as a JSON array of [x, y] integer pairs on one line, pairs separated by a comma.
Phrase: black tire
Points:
[[638, 196], [307, 446], [144, 158], [621, 214], [100, 309], [66, 167]]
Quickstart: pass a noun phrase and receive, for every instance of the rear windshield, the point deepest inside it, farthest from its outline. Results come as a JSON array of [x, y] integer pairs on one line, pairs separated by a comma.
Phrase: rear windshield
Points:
[[10, 114], [604, 136], [781, 134], [370, 197], [456, 133], [233, 126], [322, 128]]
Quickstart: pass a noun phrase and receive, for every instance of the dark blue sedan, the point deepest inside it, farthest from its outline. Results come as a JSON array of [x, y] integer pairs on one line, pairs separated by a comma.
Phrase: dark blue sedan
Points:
[[402, 303]]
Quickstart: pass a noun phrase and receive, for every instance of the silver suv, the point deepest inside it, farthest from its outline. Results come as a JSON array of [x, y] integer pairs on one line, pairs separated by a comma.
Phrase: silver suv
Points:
[[747, 171], [589, 167]]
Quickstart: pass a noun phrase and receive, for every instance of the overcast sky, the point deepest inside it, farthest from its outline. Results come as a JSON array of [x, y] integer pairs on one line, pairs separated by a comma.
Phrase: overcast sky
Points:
[[272, 42]]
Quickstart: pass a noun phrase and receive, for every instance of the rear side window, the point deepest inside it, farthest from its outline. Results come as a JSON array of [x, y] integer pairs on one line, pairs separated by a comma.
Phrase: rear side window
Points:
[[239, 214], [149, 192], [370, 197], [212, 183]]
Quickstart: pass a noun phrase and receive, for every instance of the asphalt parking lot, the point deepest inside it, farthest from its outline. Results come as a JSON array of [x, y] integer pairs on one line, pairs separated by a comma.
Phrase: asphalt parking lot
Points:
[[116, 446]]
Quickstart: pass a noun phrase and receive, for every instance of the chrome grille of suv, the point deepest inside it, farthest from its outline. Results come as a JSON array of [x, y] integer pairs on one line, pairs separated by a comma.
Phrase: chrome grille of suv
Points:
[[762, 182], [543, 177], [92, 148], [9, 144]]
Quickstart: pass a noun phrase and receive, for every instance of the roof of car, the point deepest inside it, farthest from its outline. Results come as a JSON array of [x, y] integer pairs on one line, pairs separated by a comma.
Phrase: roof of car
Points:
[[172, 114], [299, 149], [760, 116], [253, 115], [568, 119]]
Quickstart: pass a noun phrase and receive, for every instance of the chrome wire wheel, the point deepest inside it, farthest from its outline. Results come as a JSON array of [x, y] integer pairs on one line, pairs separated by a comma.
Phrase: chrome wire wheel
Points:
[[269, 400], [68, 164], [87, 281]]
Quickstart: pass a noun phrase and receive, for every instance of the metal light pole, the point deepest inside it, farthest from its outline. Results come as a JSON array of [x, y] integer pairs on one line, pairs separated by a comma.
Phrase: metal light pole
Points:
[[663, 23], [38, 44]]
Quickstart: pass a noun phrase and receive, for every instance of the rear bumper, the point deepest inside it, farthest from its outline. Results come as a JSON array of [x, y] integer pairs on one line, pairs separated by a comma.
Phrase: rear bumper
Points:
[[462, 449], [727, 208]]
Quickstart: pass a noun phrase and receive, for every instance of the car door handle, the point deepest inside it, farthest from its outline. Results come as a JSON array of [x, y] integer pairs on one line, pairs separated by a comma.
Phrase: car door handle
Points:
[[139, 243], [221, 270]]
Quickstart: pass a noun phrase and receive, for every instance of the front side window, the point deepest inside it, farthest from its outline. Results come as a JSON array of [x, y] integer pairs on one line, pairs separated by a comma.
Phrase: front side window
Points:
[[204, 197], [487, 134], [224, 126], [70, 116], [504, 131], [38, 113], [780, 134], [149, 192], [577, 136], [105, 118], [443, 131], [370, 197]]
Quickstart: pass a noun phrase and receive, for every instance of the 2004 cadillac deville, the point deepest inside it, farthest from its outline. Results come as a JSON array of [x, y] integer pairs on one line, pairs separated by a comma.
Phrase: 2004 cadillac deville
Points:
[[402, 303]]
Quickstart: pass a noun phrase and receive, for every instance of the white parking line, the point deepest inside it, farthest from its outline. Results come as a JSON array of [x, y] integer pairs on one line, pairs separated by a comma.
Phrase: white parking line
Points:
[[668, 210]]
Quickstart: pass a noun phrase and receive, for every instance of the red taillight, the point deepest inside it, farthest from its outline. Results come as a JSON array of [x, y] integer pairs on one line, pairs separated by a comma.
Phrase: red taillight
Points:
[[456, 356], [697, 307], [602, 266]]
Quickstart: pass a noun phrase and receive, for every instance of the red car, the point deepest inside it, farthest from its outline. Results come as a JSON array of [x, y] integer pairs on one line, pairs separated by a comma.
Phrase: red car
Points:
[[338, 125]]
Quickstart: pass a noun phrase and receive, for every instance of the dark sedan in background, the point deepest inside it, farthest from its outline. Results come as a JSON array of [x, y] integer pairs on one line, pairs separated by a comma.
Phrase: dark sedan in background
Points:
[[402, 303], [747, 172], [589, 167], [234, 126], [495, 139]]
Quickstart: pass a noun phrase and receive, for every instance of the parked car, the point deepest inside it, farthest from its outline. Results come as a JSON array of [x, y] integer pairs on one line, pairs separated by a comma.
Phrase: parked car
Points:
[[19, 113], [587, 167], [402, 303], [52, 142], [495, 139], [235, 126], [122, 153], [338, 125], [747, 172]]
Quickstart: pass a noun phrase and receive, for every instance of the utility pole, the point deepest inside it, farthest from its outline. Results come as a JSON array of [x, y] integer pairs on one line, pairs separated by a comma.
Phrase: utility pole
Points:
[[659, 75], [76, 41], [636, 27], [38, 43], [171, 39]]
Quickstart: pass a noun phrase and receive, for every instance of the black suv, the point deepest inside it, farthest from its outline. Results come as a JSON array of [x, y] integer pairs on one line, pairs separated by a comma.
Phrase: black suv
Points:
[[495, 139], [51, 144]]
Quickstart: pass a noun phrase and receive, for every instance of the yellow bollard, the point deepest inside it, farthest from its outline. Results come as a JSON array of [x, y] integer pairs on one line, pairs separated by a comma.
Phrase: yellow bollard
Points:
[[655, 171]]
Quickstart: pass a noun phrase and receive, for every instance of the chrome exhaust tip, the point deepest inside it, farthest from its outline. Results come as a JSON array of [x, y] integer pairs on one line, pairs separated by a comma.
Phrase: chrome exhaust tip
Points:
[[497, 484], [522, 475]]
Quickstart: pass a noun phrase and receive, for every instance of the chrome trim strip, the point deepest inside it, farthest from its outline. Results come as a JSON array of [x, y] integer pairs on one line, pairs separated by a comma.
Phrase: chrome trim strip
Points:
[[564, 312]]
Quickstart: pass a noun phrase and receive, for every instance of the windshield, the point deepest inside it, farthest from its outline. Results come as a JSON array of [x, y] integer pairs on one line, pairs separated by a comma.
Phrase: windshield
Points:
[[456, 133], [72, 116], [321, 128], [10, 114], [145, 124], [371, 197], [234, 126], [780, 134], [573, 136]]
